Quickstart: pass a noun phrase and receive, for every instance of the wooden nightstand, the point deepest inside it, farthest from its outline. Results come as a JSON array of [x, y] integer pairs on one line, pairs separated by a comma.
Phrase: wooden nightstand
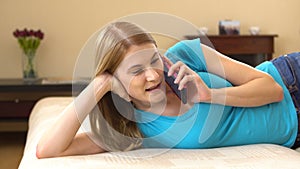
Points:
[[250, 49], [18, 97]]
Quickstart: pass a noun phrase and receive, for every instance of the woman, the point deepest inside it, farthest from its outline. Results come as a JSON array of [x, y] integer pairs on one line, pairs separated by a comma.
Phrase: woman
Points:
[[229, 103]]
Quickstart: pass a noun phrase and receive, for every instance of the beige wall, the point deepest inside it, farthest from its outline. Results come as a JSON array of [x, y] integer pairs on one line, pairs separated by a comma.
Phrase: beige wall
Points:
[[69, 23]]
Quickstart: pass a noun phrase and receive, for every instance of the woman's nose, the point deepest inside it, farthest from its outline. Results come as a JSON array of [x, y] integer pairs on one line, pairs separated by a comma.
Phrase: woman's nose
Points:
[[151, 74]]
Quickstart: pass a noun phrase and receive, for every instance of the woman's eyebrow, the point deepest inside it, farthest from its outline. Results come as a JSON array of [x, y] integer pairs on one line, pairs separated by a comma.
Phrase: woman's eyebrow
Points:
[[134, 67], [140, 65]]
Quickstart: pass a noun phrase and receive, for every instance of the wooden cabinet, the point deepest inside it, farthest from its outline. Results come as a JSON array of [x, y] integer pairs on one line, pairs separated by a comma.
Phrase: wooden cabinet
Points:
[[17, 98], [246, 48]]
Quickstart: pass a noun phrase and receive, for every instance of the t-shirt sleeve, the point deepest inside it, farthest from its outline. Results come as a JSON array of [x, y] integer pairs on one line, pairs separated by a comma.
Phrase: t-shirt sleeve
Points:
[[190, 53]]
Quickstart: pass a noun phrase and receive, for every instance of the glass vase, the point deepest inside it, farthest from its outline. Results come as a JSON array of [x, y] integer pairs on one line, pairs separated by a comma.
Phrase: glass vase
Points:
[[29, 67]]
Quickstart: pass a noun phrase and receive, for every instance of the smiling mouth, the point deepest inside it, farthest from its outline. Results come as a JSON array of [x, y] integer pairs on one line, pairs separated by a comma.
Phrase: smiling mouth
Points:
[[153, 87]]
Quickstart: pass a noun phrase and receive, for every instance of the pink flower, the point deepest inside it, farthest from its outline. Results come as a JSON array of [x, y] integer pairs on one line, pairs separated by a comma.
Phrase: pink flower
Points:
[[29, 40], [28, 33], [39, 34]]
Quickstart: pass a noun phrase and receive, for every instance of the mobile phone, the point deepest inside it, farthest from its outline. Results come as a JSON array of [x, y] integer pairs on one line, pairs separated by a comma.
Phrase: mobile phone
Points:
[[181, 94]]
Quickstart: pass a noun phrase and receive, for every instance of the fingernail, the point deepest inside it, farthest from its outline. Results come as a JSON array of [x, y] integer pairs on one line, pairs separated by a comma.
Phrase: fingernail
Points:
[[179, 87]]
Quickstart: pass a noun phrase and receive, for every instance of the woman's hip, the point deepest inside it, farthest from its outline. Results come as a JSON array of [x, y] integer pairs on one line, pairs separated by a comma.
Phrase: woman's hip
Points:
[[289, 68]]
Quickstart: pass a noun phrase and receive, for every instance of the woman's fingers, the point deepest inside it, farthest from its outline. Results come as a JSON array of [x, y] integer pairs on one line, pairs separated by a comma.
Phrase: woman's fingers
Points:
[[119, 89], [166, 60], [111, 83], [185, 80], [180, 71], [173, 69]]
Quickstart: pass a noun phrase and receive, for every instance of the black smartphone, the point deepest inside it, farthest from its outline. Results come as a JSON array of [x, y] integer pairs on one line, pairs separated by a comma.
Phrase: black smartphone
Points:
[[181, 94]]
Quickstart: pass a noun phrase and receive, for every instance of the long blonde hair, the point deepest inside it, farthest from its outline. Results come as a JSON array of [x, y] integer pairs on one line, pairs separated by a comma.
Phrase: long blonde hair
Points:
[[109, 126]]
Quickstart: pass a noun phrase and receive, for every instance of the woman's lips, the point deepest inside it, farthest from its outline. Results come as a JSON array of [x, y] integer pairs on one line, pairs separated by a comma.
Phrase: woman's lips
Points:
[[153, 87]]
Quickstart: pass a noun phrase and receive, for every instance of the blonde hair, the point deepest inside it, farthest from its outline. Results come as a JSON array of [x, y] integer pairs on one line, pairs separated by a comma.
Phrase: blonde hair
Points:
[[109, 126]]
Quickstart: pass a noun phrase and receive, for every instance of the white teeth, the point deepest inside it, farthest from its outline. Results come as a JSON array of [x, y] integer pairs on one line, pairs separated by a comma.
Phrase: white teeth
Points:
[[150, 88]]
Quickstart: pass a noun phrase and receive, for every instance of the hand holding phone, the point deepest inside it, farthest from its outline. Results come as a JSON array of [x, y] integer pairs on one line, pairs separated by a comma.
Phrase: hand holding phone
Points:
[[181, 94]]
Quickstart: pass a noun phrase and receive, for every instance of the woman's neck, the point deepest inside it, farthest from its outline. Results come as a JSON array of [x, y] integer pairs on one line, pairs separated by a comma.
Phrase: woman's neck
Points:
[[175, 107], [171, 106]]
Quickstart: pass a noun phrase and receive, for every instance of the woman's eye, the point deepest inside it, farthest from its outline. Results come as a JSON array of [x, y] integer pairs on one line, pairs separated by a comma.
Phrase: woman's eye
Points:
[[136, 72], [155, 60]]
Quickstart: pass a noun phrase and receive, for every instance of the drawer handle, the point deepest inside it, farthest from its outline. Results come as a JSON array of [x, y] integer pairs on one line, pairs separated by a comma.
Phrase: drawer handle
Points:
[[17, 100]]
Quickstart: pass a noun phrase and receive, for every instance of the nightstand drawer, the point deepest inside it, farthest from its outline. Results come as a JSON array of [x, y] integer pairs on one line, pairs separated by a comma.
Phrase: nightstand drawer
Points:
[[17, 99], [16, 109]]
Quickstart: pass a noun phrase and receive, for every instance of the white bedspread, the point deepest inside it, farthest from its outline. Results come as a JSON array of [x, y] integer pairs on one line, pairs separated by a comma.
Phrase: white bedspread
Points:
[[262, 156]]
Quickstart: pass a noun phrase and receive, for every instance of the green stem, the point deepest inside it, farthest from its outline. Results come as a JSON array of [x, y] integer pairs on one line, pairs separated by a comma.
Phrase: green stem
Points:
[[29, 71]]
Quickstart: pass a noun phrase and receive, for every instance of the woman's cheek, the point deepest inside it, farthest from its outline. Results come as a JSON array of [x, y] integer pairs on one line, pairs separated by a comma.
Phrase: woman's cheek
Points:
[[136, 86]]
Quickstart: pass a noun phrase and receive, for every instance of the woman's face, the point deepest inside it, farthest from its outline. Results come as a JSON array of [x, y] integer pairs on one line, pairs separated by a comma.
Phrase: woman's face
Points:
[[141, 73]]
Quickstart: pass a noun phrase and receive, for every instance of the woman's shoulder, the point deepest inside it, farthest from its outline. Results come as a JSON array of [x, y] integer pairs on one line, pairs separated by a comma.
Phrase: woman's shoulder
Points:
[[189, 52]]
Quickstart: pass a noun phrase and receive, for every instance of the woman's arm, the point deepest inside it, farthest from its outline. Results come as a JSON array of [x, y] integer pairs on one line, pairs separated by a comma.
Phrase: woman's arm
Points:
[[60, 139], [251, 86]]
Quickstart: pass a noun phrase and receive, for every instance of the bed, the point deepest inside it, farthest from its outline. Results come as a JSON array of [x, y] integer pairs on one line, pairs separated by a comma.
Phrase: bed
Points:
[[260, 156]]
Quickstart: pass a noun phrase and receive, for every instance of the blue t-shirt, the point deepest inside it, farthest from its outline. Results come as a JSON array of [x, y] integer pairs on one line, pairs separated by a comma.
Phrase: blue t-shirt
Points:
[[214, 125]]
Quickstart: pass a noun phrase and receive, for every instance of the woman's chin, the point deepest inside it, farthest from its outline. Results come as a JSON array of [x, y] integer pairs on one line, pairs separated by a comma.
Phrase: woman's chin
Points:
[[157, 95]]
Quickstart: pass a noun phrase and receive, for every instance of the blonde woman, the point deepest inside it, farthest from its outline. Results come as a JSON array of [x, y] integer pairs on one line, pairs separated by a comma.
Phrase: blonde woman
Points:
[[131, 106]]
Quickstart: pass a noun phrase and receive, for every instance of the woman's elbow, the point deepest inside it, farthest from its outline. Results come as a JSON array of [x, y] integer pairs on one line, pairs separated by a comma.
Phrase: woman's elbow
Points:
[[43, 152], [275, 90], [40, 152], [279, 93]]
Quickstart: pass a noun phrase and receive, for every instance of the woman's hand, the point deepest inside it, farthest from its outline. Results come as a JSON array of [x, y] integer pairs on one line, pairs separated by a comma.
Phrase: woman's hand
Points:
[[106, 82], [101, 84], [187, 78], [119, 89]]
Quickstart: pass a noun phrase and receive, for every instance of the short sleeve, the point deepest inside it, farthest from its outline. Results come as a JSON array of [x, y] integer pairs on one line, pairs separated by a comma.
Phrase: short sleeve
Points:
[[190, 53]]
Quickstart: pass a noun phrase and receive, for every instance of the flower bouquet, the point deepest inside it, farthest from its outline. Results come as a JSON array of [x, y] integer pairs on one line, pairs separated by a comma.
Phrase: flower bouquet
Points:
[[29, 41]]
